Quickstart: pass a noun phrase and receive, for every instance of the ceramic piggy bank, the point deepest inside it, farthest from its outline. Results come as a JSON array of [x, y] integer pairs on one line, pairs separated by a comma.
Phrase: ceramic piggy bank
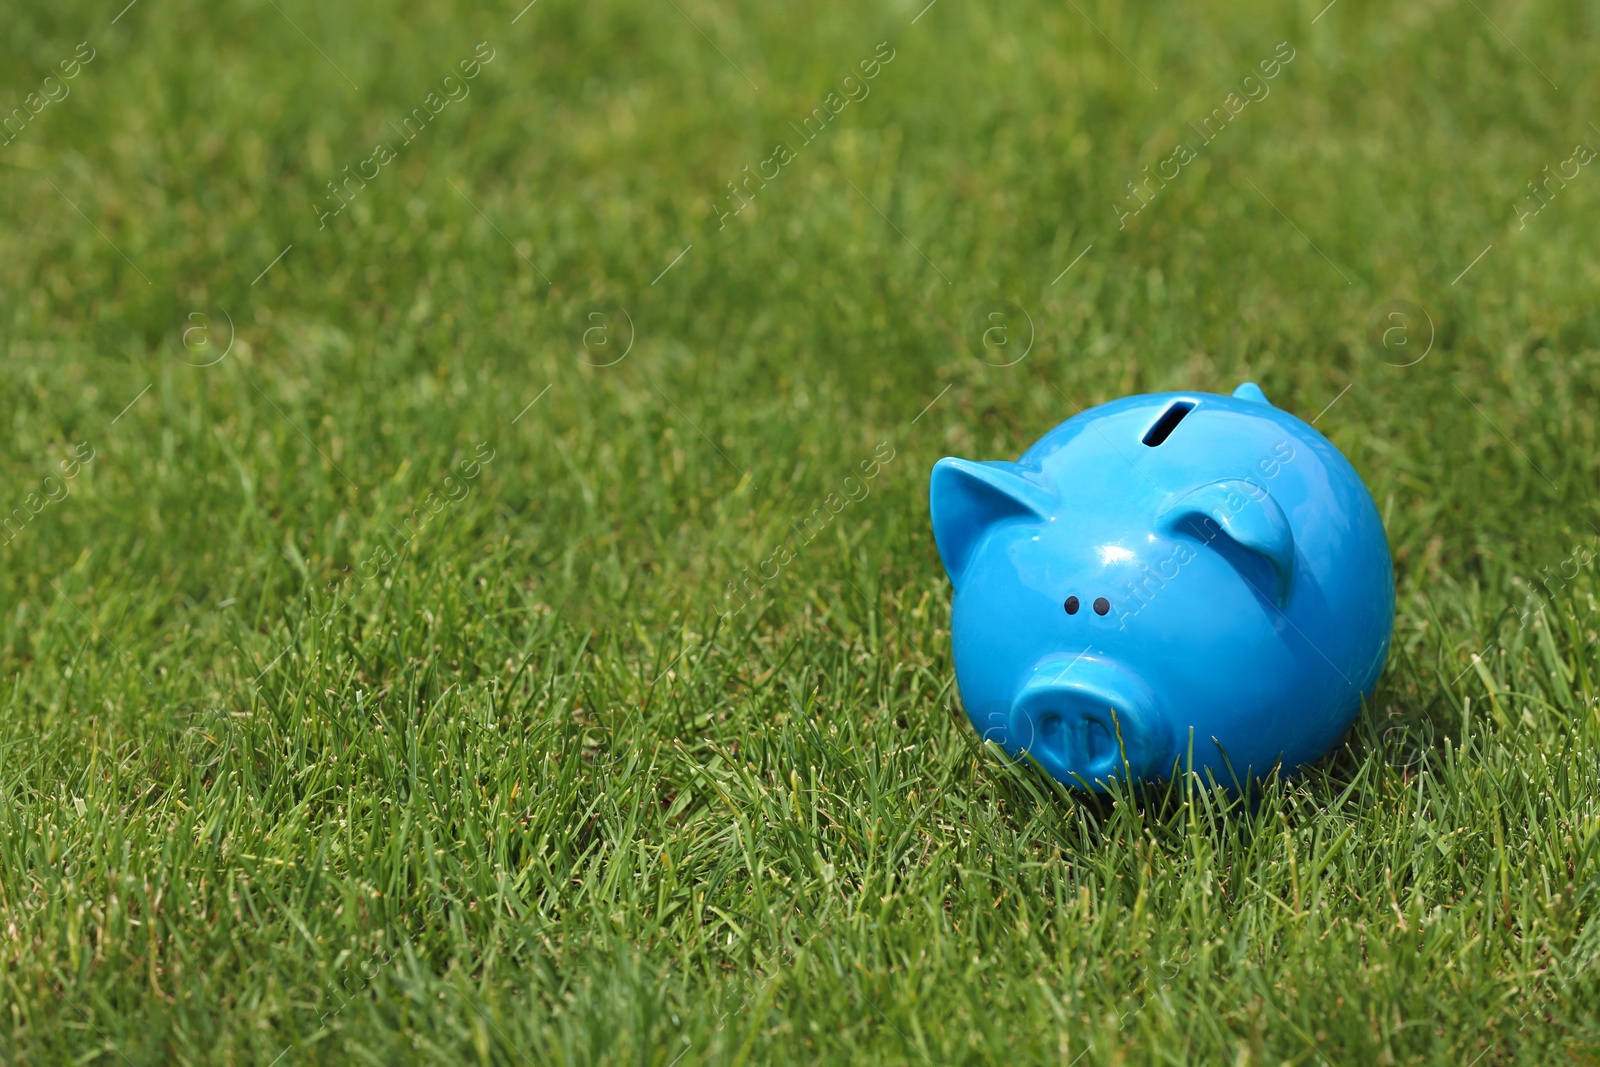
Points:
[[1163, 583]]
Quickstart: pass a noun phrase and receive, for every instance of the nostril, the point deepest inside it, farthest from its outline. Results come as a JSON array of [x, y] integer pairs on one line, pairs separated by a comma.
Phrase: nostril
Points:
[[1099, 745]]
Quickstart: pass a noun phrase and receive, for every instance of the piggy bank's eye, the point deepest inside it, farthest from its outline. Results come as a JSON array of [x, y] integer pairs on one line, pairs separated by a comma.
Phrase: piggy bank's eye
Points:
[[1101, 605], [1071, 605]]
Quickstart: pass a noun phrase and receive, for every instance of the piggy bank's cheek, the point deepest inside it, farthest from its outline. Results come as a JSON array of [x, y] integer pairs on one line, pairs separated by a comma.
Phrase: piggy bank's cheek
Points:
[[993, 727], [991, 722]]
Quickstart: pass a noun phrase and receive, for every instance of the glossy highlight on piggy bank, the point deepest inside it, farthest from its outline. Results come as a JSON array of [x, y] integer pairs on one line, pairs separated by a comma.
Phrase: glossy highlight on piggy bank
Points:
[[1166, 583]]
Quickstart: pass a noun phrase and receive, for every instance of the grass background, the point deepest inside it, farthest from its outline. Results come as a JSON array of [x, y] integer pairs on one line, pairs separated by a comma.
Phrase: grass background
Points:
[[529, 792]]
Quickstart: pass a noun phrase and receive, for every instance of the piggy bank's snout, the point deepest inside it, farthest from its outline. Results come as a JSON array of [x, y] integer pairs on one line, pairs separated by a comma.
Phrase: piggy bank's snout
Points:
[[1087, 721]]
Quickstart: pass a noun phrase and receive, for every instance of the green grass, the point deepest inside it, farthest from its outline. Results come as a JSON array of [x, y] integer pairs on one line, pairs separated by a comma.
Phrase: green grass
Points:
[[529, 792]]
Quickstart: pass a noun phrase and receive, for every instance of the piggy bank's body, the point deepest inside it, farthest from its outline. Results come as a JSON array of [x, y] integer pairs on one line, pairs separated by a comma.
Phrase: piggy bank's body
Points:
[[1166, 582]]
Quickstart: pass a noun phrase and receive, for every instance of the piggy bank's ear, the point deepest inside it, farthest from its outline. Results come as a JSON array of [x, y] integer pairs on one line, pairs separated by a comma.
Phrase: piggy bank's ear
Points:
[[1246, 525], [1252, 392], [967, 499]]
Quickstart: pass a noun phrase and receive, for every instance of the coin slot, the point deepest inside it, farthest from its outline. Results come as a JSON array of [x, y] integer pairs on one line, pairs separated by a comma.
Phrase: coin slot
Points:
[[1168, 422]]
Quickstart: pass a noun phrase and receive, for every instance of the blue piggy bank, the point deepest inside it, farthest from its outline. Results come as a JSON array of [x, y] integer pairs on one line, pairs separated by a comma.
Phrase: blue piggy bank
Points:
[[1166, 582]]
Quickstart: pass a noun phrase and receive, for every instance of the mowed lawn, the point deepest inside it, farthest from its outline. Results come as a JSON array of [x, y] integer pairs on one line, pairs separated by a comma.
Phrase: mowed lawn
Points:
[[407, 407]]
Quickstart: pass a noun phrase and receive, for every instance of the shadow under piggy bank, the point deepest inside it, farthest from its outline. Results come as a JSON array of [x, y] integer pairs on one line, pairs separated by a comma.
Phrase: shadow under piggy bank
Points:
[[1166, 583]]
